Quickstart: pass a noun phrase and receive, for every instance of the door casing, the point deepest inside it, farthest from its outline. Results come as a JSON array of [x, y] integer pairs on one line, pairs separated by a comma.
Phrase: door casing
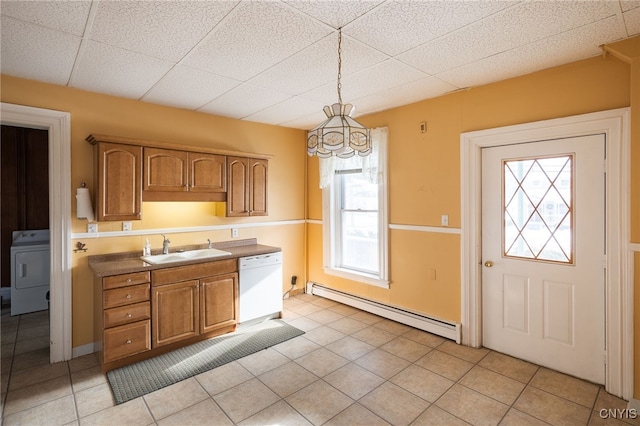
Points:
[[615, 125], [58, 124]]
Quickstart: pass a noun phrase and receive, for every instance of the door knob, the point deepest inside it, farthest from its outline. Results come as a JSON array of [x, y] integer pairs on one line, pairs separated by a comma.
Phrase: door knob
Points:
[[488, 263]]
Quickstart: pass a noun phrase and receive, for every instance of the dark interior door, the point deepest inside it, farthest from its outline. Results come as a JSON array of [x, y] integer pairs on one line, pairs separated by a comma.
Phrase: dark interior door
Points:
[[24, 189]]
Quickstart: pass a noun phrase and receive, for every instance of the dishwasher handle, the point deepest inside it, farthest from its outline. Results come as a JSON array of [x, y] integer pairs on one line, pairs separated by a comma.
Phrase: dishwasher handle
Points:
[[260, 260]]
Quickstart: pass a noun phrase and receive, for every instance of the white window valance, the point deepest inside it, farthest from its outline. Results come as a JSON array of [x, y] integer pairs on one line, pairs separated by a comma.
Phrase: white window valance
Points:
[[370, 164]]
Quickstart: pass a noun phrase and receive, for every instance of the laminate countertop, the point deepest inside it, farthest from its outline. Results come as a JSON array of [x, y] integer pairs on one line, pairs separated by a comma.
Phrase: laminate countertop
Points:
[[104, 265]]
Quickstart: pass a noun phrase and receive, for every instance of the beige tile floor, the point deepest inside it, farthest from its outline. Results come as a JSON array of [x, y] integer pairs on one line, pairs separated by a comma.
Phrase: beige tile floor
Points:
[[350, 367]]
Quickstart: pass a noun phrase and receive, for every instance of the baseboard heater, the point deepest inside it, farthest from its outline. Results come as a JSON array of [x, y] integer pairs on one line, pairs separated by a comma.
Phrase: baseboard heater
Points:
[[442, 328]]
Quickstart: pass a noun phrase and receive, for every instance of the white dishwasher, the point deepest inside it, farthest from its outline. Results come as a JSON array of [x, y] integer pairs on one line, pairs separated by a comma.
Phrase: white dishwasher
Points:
[[260, 287]]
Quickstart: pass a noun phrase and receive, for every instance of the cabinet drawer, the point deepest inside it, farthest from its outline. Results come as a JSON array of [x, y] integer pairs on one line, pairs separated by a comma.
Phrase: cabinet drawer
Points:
[[193, 272], [125, 295], [126, 340], [125, 280], [127, 314]]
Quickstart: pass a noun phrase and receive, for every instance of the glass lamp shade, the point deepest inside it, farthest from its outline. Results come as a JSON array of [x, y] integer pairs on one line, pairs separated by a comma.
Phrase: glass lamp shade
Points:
[[339, 135]]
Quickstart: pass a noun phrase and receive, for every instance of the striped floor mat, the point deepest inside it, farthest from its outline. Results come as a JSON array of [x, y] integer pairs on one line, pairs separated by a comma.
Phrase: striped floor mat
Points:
[[146, 376]]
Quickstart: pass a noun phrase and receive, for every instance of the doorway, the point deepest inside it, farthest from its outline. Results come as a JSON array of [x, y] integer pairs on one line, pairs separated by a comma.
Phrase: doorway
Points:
[[58, 125], [618, 307], [25, 217], [543, 252]]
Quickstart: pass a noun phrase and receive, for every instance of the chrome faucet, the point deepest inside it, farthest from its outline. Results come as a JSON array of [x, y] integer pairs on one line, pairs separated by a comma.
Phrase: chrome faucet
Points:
[[165, 244], [210, 243]]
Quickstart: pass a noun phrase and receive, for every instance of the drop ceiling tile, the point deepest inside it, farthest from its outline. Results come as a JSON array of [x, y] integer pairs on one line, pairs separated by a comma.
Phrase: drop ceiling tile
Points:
[[114, 71], [503, 31], [398, 25], [185, 87], [582, 42], [287, 110], [428, 87], [162, 29], [244, 100], [318, 65], [382, 76], [415, 91], [66, 16], [336, 14], [255, 36], [307, 122], [51, 53], [632, 21]]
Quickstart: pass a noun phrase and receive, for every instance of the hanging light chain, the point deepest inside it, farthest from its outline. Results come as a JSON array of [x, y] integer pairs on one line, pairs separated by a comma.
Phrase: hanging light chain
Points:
[[339, 64]]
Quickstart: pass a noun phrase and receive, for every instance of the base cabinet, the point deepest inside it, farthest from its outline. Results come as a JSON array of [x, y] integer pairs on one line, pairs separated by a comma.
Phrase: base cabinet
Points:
[[187, 309], [144, 314], [218, 302], [175, 312], [123, 317]]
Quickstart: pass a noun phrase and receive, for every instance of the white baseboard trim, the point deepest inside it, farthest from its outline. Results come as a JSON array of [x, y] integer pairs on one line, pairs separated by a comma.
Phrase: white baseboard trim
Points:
[[634, 404], [87, 349], [442, 328]]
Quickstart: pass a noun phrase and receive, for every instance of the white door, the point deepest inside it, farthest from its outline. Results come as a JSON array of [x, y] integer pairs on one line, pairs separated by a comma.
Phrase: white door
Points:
[[543, 243]]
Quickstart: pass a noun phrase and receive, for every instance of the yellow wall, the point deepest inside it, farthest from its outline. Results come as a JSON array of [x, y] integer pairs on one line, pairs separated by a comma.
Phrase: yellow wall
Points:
[[101, 114], [424, 174]]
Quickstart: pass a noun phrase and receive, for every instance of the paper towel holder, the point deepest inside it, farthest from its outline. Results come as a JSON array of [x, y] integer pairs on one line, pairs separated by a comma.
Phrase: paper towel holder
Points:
[[84, 210]]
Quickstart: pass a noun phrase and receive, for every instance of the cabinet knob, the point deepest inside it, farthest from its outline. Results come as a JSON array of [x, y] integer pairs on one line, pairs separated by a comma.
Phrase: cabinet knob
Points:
[[128, 296], [128, 342], [128, 280], [129, 315]]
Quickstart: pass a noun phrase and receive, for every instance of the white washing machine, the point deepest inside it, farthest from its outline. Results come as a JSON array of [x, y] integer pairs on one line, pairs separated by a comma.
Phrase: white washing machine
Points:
[[30, 271]]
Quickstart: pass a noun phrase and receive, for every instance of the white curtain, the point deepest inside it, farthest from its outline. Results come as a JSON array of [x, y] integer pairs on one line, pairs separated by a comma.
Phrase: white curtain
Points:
[[370, 164]]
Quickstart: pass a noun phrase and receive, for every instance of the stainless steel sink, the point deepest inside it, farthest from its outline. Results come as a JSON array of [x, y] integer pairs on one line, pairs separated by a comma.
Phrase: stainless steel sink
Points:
[[184, 256]]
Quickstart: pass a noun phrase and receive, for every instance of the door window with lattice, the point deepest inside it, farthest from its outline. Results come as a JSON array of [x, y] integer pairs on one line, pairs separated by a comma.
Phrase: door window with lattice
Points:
[[538, 208]]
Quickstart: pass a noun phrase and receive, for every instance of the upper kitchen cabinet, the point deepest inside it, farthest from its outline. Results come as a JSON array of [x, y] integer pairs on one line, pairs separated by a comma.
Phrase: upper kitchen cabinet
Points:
[[177, 175], [247, 186], [119, 170], [131, 171]]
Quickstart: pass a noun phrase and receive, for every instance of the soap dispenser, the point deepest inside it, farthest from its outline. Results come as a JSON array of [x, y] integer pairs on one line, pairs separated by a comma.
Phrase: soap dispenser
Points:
[[146, 250]]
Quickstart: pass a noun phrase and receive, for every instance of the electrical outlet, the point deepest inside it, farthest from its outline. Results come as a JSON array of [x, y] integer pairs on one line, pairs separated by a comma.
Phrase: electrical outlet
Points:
[[92, 228], [234, 232], [126, 226], [444, 220]]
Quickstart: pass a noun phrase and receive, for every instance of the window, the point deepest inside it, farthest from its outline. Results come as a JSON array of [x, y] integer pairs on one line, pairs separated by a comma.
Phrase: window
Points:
[[355, 215], [538, 208]]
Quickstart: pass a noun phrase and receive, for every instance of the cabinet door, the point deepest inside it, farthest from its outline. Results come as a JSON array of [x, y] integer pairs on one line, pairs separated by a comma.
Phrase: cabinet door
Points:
[[175, 312], [258, 172], [218, 302], [165, 170], [119, 182], [207, 172], [238, 186]]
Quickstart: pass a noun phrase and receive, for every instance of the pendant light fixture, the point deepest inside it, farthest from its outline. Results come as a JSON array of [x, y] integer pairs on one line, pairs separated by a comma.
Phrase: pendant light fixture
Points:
[[339, 135]]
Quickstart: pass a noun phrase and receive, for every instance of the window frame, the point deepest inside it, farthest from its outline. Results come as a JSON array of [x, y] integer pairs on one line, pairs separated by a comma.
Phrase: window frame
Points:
[[331, 229]]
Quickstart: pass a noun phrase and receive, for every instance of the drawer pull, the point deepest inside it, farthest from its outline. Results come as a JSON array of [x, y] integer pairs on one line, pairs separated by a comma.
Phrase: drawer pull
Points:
[[129, 315], [128, 342], [128, 296], [128, 280]]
